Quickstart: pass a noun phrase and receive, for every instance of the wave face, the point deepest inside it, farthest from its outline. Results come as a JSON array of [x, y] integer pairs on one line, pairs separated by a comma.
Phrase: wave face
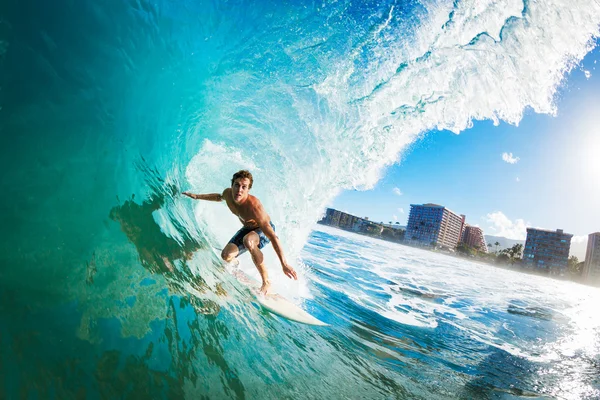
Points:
[[108, 110]]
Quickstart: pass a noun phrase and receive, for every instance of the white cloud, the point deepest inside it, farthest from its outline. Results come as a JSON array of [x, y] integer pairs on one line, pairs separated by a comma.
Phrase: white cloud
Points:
[[395, 217], [401, 210], [502, 226], [509, 158], [579, 239], [397, 191], [518, 179]]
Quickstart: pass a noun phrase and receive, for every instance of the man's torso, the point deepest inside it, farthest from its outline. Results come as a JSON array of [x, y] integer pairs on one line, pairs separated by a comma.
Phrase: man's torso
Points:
[[249, 212]]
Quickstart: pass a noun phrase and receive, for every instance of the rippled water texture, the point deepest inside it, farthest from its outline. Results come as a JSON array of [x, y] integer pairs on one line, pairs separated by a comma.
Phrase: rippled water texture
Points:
[[456, 328]]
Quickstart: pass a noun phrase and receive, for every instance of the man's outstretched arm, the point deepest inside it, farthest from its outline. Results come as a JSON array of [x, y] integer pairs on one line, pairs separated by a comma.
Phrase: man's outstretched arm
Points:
[[209, 196]]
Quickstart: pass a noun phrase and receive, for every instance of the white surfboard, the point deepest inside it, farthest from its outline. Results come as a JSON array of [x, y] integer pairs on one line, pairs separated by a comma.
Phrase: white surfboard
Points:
[[276, 303]]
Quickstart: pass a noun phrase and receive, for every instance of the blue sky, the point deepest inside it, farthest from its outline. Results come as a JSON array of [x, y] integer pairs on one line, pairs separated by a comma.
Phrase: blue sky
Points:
[[552, 180]]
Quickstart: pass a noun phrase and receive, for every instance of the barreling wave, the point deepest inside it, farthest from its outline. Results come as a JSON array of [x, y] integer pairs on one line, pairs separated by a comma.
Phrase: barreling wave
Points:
[[325, 101]]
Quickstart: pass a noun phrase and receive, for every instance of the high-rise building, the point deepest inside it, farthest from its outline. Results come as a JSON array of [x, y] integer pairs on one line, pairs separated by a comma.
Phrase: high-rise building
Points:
[[430, 224], [473, 236], [346, 220], [343, 220], [591, 267], [547, 250], [331, 217]]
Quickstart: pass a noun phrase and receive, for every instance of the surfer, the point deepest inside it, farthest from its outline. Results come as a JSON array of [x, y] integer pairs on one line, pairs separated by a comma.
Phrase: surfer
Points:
[[257, 230]]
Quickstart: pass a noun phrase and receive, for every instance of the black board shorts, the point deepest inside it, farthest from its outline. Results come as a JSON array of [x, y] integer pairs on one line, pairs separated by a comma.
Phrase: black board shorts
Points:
[[238, 238]]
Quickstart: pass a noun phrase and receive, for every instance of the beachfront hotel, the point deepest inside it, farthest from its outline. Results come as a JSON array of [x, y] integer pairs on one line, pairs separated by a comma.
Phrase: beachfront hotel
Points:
[[591, 267], [430, 224], [473, 237], [340, 219], [547, 250]]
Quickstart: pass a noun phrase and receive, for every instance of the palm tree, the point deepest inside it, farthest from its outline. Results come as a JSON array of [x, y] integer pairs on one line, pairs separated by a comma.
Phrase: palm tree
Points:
[[490, 246], [516, 251], [497, 244], [573, 265]]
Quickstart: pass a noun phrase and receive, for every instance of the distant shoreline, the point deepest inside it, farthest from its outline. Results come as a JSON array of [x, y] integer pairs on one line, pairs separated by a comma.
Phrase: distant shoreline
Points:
[[518, 269]]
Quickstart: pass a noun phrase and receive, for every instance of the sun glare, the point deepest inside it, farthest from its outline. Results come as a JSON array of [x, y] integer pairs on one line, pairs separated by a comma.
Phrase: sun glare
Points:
[[584, 140], [590, 155]]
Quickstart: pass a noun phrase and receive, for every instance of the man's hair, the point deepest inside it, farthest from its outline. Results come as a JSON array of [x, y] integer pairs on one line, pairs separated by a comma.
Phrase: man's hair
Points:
[[242, 174]]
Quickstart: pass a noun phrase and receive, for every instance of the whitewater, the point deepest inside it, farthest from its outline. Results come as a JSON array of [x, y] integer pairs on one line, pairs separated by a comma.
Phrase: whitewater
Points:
[[111, 284]]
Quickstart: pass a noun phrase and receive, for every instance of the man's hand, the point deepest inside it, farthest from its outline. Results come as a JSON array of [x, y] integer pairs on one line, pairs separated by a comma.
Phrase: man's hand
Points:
[[289, 271], [190, 195]]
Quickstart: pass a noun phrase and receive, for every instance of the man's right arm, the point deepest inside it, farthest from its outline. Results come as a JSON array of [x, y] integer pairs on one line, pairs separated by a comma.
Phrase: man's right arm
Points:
[[209, 197]]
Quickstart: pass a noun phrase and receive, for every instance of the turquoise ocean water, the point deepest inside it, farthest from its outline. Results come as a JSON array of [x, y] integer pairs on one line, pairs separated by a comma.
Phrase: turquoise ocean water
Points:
[[110, 283]]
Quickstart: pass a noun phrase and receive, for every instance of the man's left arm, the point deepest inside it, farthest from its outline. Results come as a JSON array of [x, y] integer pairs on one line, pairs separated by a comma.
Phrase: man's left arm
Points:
[[269, 232]]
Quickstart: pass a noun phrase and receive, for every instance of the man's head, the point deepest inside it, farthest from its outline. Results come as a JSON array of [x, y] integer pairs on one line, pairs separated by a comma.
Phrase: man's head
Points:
[[241, 183]]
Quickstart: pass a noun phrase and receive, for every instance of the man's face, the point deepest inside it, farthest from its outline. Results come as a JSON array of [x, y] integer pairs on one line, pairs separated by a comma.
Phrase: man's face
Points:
[[240, 189]]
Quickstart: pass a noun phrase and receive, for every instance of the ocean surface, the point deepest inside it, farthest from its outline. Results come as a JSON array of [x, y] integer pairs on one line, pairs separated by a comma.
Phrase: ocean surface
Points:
[[111, 285]]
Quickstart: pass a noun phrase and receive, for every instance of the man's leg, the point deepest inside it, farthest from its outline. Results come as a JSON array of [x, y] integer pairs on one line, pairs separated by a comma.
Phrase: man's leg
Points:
[[229, 252], [251, 241]]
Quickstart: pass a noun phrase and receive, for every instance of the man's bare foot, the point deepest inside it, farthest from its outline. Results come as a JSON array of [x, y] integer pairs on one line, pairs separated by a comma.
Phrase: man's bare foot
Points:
[[264, 289]]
